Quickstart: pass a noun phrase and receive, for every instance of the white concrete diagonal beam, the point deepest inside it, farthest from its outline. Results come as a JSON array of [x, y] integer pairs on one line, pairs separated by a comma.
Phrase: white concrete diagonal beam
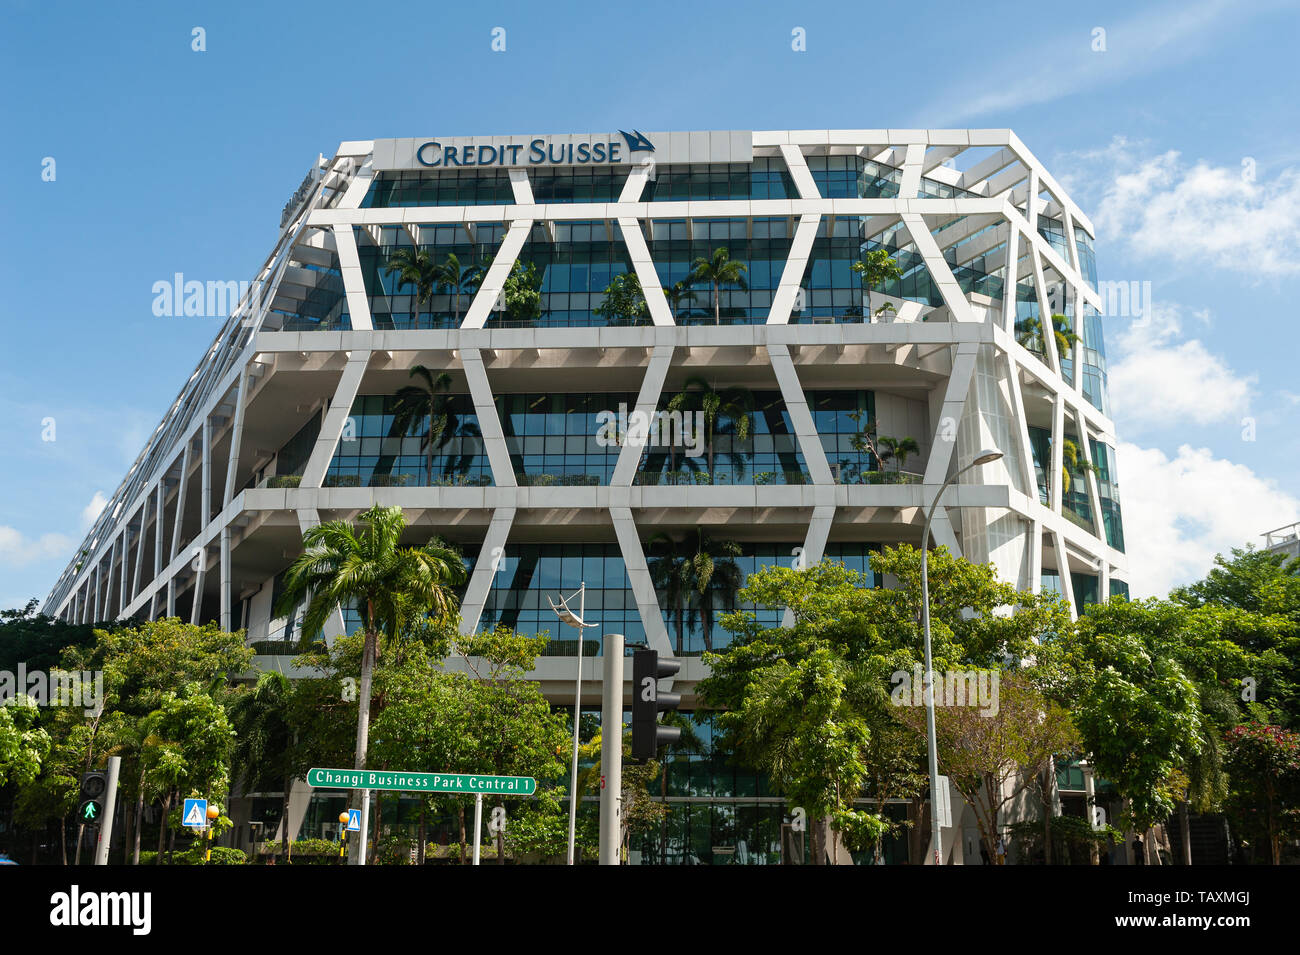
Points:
[[814, 546], [334, 419], [495, 279], [646, 273], [796, 264], [940, 273], [485, 568], [489, 424], [354, 285], [638, 576], [796, 405], [647, 403], [950, 411], [798, 169]]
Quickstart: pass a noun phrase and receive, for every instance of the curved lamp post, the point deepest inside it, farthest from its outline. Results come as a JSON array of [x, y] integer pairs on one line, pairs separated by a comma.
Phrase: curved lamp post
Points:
[[987, 456], [574, 620]]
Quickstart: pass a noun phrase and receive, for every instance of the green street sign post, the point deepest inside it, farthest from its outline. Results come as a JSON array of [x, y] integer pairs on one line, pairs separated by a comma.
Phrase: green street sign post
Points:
[[433, 784]]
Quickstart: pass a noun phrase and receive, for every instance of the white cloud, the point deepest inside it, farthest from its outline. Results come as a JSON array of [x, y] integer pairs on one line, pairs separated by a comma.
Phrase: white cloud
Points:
[[1152, 40], [91, 510], [1181, 511], [1160, 381], [18, 550], [1200, 214]]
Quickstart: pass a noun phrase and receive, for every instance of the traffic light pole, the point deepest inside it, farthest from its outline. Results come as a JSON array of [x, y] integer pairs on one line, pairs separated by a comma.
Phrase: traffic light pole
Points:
[[611, 751], [110, 804]]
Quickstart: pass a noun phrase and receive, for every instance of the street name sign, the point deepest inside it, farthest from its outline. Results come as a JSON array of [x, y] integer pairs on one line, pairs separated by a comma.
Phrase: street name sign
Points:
[[432, 783]]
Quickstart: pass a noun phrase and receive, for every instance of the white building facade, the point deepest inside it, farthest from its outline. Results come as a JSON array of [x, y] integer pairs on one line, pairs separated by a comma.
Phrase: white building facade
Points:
[[288, 418]]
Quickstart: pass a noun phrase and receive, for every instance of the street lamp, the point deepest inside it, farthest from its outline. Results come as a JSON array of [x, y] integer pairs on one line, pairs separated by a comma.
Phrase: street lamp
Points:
[[574, 620], [987, 456]]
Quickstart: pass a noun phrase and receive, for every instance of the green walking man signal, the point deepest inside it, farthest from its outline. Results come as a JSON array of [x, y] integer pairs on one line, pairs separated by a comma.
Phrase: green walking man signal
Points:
[[93, 785]]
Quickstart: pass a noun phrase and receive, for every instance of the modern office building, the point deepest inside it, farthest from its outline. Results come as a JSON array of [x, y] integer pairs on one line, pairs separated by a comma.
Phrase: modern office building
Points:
[[563, 319]]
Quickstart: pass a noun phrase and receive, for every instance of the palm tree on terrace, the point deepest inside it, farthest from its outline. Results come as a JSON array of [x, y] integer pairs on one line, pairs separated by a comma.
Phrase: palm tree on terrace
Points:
[[452, 275], [677, 293], [734, 405], [365, 565], [715, 577], [718, 271], [429, 402], [1029, 332], [415, 267], [898, 450]]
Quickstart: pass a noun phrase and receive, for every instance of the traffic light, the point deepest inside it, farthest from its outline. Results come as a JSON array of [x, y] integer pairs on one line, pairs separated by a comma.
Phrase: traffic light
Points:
[[648, 701], [93, 785]]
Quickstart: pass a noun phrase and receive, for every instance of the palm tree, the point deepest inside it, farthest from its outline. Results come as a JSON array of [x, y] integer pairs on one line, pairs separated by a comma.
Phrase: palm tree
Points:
[[677, 293], [713, 573], [718, 271], [671, 576], [430, 401], [898, 449], [264, 742], [876, 268], [415, 267], [366, 565], [734, 404], [451, 275]]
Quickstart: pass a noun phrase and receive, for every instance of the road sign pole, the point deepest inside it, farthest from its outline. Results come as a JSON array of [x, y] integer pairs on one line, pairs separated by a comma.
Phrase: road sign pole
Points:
[[360, 857], [478, 823], [110, 804], [611, 750]]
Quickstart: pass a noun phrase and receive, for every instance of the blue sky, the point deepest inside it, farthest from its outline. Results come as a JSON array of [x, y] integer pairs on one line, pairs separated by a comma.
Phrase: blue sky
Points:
[[170, 160]]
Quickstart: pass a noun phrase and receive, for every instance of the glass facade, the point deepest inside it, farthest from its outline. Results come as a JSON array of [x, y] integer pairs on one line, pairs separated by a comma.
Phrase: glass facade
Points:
[[575, 261], [563, 439], [373, 454], [769, 454], [444, 187], [831, 290], [761, 244], [577, 184], [396, 304], [764, 178]]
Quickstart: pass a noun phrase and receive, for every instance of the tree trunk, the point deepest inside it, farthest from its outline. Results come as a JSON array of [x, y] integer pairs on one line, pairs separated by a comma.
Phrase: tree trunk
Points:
[[162, 828], [139, 825], [63, 837], [419, 854], [284, 823], [363, 717], [1185, 824], [461, 812], [81, 832]]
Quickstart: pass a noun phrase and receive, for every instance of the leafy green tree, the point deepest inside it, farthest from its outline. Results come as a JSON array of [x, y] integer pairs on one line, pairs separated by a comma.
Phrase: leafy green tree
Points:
[[522, 294], [717, 271], [877, 267], [993, 757], [365, 564], [1139, 676], [38, 641], [188, 742], [1265, 766], [1029, 332], [677, 294], [848, 628], [265, 742], [624, 301], [23, 744], [803, 723], [513, 730], [639, 811]]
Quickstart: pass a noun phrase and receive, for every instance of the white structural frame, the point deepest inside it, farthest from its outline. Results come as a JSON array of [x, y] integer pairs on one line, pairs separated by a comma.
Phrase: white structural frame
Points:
[[202, 447]]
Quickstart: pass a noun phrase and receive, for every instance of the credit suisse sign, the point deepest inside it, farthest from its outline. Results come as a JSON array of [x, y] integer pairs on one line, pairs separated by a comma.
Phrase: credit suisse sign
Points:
[[609, 149]]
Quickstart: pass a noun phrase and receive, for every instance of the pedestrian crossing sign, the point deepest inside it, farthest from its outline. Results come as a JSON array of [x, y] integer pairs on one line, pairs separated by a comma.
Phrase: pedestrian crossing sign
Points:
[[354, 820], [195, 814]]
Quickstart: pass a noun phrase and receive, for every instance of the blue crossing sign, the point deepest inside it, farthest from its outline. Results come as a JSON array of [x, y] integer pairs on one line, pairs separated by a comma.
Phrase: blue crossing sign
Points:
[[195, 814], [354, 820]]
